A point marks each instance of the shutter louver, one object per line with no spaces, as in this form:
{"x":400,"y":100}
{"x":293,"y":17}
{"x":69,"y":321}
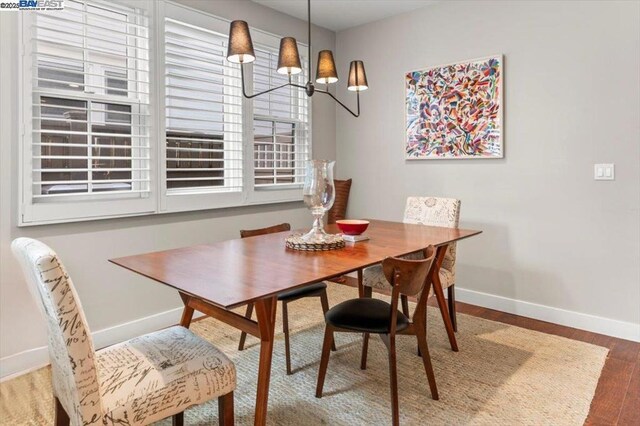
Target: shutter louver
{"x":203,"y":107}
{"x":90,"y":101}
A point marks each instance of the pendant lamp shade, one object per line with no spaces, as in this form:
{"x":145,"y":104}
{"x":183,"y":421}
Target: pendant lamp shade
{"x":326,"y":72}
{"x":357,"y":77}
{"x":288,"y":58}
{"x":240,"y":49}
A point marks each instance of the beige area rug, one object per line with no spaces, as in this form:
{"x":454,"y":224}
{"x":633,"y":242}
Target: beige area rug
{"x":503,"y":375}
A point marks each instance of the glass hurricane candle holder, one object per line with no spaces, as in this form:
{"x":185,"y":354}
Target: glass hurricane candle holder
{"x":319,"y":194}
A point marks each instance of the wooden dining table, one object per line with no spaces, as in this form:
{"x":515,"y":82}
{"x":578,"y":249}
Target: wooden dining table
{"x":218,"y":277}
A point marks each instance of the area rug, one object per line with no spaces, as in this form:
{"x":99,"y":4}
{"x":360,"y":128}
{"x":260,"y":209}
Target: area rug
{"x":503,"y":375}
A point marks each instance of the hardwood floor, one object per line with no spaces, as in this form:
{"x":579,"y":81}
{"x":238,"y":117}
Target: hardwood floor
{"x":617,"y":397}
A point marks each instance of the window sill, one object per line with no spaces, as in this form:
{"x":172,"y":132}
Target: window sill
{"x":23,"y":224}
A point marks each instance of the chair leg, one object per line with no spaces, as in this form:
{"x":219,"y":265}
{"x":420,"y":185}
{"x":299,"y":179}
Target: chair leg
{"x":178,"y":419}
{"x":61,"y":416}
{"x":368,"y":291}
{"x":451,"y":298}
{"x":365,"y":349}
{"x":405,"y":305}
{"x":426,"y":360}
{"x":325,"y":307}
{"x":225,"y":410}
{"x":393,"y":377}
{"x":285,"y":330}
{"x":424,"y":318}
{"x":243,"y":335}
{"x":442,"y":303}
{"x":324,"y":360}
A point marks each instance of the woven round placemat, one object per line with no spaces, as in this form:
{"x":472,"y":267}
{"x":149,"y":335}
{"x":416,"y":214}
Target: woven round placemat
{"x":332,"y":242}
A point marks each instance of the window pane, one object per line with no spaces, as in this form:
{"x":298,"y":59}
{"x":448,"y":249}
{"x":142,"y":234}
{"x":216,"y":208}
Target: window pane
{"x":64,"y":138}
{"x":116,"y":83}
{"x":191,"y":159}
{"x":281,"y":143}
{"x":111,"y":152}
{"x":60,"y":117}
{"x":68,"y":76}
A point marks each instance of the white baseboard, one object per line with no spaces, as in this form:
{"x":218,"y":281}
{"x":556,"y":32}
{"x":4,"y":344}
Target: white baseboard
{"x":23,"y":362}
{"x":595,"y":324}
{"x":32,"y":359}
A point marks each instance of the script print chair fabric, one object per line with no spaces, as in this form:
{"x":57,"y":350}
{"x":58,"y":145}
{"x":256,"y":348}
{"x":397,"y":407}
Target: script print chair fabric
{"x":431,"y":211}
{"x":313,"y":290}
{"x":366,"y":315}
{"x":136,"y":382}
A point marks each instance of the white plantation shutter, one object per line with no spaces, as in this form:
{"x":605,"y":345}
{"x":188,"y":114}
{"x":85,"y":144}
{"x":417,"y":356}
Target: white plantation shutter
{"x":281,"y":143}
{"x":90,"y":102}
{"x":116,"y":122}
{"x":203,"y":112}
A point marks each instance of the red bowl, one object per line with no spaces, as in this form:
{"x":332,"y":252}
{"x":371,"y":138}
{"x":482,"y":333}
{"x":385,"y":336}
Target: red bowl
{"x":352,"y":226}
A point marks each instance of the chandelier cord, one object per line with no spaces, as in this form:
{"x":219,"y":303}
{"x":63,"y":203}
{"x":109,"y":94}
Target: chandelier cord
{"x":309,"y":37}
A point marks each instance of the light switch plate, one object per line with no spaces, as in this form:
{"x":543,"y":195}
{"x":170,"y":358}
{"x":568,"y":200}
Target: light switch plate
{"x":604,"y":172}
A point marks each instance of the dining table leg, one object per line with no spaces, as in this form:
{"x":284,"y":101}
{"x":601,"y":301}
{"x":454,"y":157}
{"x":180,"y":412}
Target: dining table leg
{"x":187,"y":312}
{"x":266,"y":315}
{"x":442,"y":303}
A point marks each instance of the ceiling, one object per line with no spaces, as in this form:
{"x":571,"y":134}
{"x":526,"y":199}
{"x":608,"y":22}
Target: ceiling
{"x":338,"y":15}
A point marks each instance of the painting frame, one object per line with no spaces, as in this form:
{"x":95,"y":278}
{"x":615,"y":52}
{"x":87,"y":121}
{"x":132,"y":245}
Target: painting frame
{"x":499,"y":118}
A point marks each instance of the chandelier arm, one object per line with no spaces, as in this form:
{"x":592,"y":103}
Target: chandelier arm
{"x":260,"y":93}
{"x":326,"y":92}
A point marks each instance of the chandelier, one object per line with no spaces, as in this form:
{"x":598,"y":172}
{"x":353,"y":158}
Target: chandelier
{"x":240,"y":51}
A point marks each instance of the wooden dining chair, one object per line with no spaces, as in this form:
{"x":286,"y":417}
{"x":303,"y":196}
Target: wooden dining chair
{"x":364,"y":315}
{"x":313,"y":290}
{"x":431,"y":211}
{"x":136,"y":382}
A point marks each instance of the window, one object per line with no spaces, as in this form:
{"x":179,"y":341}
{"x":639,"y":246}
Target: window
{"x":203,"y":107}
{"x":81,"y":151}
{"x":280,"y":127}
{"x":90,"y":113}
{"x":95,"y":145}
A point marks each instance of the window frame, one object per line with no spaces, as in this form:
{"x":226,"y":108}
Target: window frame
{"x":75,"y":207}
{"x":158,"y":200}
{"x":283,"y":192}
{"x":296,"y":122}
{"x":250,"y":195}
{"x":193,"y":198}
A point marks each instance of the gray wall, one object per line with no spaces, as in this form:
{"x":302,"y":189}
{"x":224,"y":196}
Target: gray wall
{"x":111,"y":295}
{"x":552,"y":235}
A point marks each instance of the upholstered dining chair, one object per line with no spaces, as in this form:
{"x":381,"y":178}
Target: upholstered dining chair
{"x":313,"y":290}
{"x":431,"y":211}
{"x":136,"y":382}
{"x":367,"y":315}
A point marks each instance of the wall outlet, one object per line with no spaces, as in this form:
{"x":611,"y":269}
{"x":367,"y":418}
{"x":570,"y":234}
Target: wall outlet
{"x":604,"y":172}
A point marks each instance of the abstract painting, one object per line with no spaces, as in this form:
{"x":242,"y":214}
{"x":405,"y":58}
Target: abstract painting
{"x":455,"y":111}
